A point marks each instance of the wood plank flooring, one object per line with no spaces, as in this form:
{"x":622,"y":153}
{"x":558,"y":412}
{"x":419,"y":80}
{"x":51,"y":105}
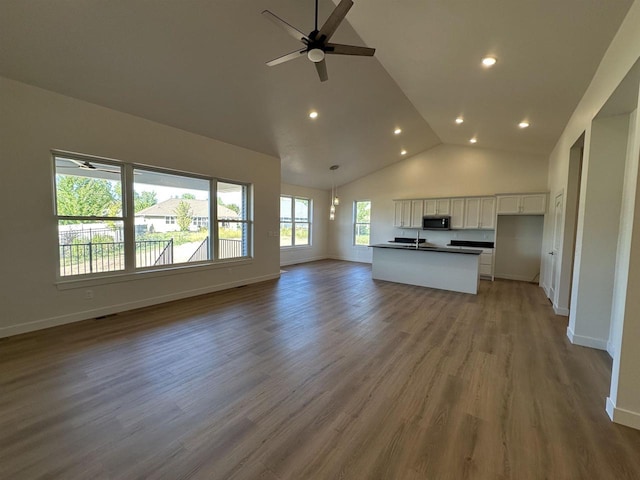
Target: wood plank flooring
{"x":323,"y":374}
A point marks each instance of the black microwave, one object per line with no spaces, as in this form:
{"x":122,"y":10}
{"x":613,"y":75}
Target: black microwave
{"x":436,"y":223}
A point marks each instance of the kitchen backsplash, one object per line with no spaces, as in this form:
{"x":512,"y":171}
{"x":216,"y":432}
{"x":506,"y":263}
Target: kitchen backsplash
{"x":444,"y":237}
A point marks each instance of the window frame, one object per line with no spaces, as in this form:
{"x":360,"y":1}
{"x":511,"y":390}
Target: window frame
{"x":127,"y":179}
{"x":356,"y":223}
{"x":293,"y":222}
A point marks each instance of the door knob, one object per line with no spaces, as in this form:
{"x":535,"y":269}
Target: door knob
{"x":550,"y":253}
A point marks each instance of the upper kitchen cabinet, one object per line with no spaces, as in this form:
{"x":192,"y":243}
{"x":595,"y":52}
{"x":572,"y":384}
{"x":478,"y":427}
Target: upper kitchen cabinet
{"x":408,"y":213}
{"x":457,"y":213}
{"x":480,"y":213}
{"x":437,"y":206}
{"x":522,"y":204}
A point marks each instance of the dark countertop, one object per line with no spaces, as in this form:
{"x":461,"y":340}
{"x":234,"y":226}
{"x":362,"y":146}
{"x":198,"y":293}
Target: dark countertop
{"x":396,"y":246}
{"x":471,"y":243}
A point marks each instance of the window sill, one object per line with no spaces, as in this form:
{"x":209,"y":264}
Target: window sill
{"x":118,"y":277}
{"x":296,"y":247}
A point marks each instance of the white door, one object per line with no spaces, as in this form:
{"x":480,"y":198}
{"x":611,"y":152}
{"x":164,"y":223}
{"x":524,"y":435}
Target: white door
{"x":555,"y":249}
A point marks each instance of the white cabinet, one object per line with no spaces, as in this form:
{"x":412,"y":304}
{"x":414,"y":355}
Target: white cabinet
{"x":408,"y":213}
{"x":437,"y":206}
{"x":457,"y":213}
{"x":522,"y":204}
{"x":416,"y":213}
{"x":486,"y":262}
{"x":480,"y":213}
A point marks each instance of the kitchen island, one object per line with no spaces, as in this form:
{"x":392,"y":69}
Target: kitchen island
{"x":444,"y":268}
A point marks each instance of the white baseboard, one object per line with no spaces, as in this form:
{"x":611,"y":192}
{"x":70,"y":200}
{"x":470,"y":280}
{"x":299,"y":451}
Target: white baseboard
{"x":561,"y":311}
{"x":622,"y":416}
{"x":546,"y":290}
{"x":586,"y":341}
{"x":123,"y":307}
{"x":348,"y":259}
{"x":506,"y":276}
{"x":302,"y":260}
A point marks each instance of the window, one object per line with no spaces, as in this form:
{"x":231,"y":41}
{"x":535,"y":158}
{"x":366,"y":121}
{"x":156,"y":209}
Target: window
{"x":233,"y":223}
{"x":295,"y":221}
{"x":361,"y":222}
{"x":166,"y":207}
{"x":170,"y":219}
{"x":89,"y":209}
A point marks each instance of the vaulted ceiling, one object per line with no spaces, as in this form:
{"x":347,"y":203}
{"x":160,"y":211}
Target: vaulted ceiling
{"x":199,"y":65}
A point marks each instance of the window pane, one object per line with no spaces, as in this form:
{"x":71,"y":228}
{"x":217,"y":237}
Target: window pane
{"x":88,"y":189}
{"x":363,"y":232}
{"x":286,"y":235}
{"x":171,"y":217}
{"x":302,"y":234}
{"x":363,"y":212}
{"x":232,"y":217}
{"x":232,"y":241}
{"x":90,"y":247}
{"x":231,"y":201}
{"x":285,"y":209}
{"x":302,"y":210}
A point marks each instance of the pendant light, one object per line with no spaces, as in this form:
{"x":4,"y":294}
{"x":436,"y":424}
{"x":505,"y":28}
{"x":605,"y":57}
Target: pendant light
{"x":335,"y":201}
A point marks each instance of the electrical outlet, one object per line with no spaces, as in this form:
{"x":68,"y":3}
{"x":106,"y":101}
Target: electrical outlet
{"x":88,"y":294}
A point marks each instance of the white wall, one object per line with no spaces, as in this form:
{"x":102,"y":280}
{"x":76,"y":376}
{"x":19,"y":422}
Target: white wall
{"x":446,"y":170}
{"x":34,"y":121}
{"x":598,"y":220}
{"x":518,"y":247}
{"x":319,"y":226}
{"x":623,"y":404}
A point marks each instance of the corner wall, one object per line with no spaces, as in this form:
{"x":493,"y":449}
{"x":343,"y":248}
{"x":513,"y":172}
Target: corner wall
{"x":319,"y":226}
{"x":32,"y":122}
{"x":623,"y":52}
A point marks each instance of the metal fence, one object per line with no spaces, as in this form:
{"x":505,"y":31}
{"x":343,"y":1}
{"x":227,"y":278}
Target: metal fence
{"x":230,"y":248}
{"x":201,"y":253}
{"x":96,"y":257}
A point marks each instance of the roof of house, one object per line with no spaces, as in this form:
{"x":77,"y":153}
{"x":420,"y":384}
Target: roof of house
{"x":199,"y":208}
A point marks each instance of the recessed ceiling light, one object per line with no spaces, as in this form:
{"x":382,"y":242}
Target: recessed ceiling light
{"x":313,"y":114}
{"x":459,"y":120}
{"x":473,"y":140}
{"x":489,"y":61}
{"x":523,"y":124}
{"x":397,"y":131}
{"x":403,"y":152}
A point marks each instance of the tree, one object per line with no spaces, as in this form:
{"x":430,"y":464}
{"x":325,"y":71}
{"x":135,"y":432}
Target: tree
{"x":144,"y":200}
{"x":183,"y":215}
{"x":188,"y":196}
{"x":87,"y":197}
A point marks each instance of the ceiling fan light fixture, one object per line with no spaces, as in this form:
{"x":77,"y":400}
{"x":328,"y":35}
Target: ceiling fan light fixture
{"x":523,"y":124}
{"x":473,"y":140}
{"x":403,"y":152}
{"x":313,"y":114}
{"x":397,"y":131}
{"x":459,"y":120}
{"x":315,"y":55}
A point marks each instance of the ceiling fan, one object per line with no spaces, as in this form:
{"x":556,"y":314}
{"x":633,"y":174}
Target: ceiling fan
{"x":317,"y":42}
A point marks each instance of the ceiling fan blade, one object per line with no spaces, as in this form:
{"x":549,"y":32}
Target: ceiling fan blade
{"x":290,"y":29}
{"x":339,"y":49}
{"x":334,"y":20}
{"x":286,"y":58}
{"x":321,"y":67}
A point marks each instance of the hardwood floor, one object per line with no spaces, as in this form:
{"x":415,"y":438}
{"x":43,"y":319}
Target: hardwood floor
{"x":323,"y":374}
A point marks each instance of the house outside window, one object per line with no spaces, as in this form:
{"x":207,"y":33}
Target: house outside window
{"x":362,"y":222}
{"x":168,"y":220}
{"x":295,"y":221}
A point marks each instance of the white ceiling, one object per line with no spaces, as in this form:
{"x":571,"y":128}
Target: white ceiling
{"x":199,"y":65}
